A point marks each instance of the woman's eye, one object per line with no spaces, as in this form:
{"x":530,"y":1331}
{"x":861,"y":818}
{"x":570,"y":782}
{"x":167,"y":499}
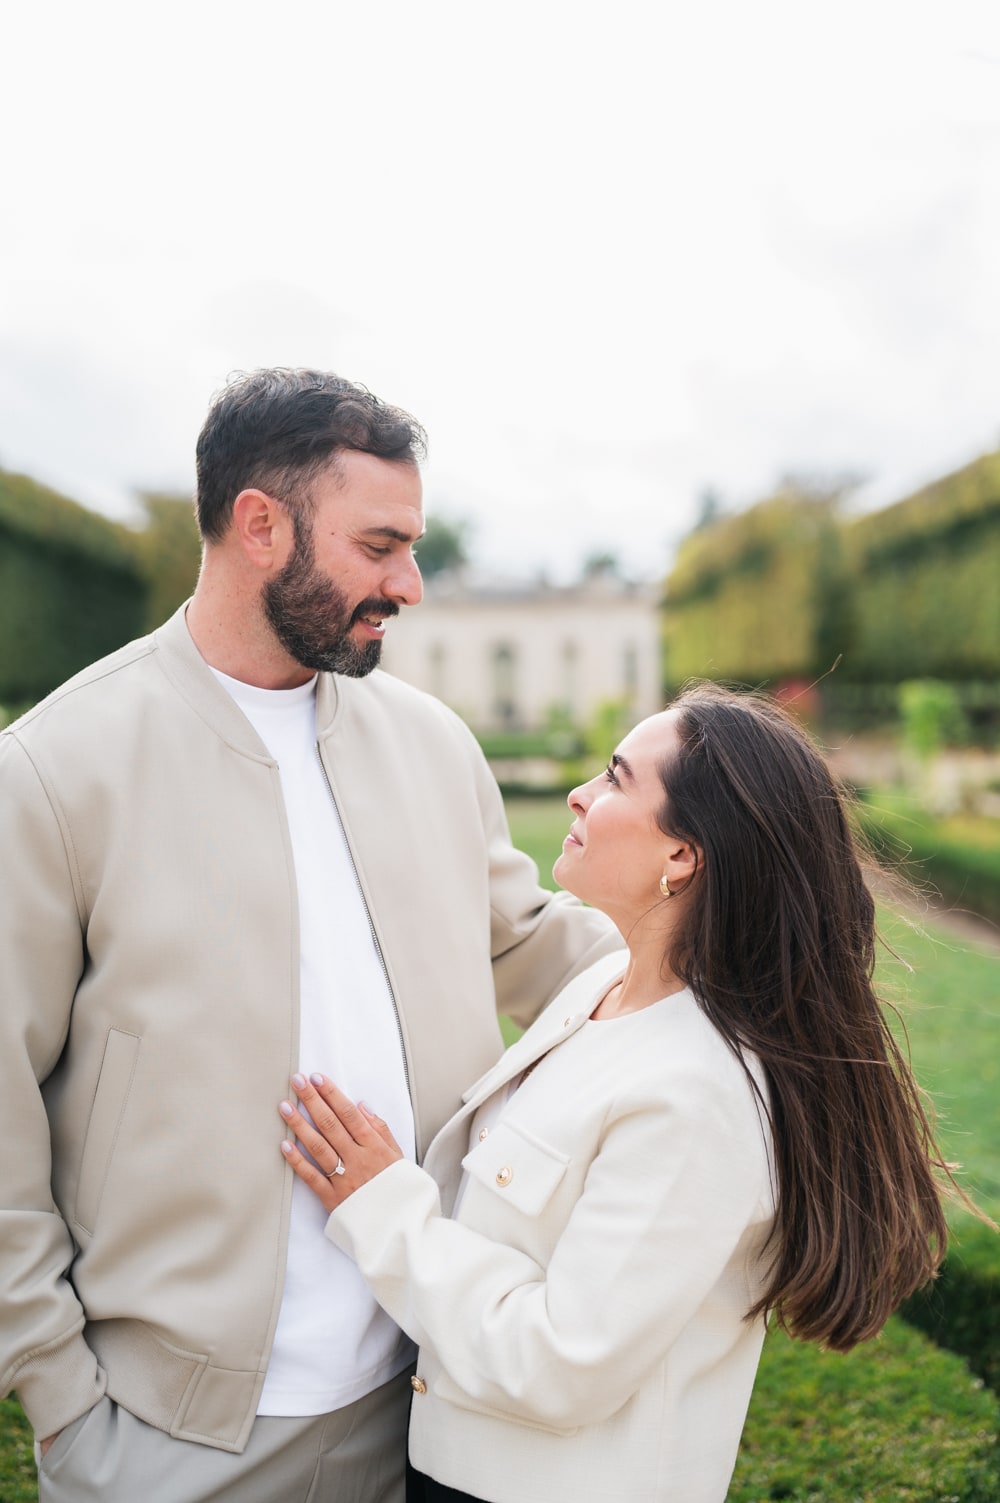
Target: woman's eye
{"x":609,"y":773}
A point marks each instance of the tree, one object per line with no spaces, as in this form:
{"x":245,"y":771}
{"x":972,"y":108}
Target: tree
{"x":442,"y":549}
{"x":710,"y":508}
{"x":602,"y":563}
{"x":169,"y":552}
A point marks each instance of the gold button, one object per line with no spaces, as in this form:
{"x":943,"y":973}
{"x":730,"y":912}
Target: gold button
{"x":484,"y":1133}
{"x":504,"y":1176}
{"x":418,"y":1385}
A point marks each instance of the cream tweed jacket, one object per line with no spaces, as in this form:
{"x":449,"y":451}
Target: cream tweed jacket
{"x":582,"y":1319}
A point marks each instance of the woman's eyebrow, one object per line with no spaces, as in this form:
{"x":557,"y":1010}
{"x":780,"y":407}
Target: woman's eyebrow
{"x":619,"y":762}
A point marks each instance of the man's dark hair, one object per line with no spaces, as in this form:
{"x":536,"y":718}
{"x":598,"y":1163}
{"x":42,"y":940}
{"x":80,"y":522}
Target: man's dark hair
{"x":276,"y":430}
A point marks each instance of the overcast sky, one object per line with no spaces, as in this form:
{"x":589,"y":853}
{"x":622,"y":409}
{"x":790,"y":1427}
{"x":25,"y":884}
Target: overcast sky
{"x":610,"y":255}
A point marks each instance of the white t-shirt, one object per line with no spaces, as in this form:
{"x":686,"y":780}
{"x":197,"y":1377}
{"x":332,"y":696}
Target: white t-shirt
{"x":333,"y":1342}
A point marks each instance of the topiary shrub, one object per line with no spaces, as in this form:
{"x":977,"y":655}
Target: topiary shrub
{"x":961,"y":1309}
{"x":895,"y":1421}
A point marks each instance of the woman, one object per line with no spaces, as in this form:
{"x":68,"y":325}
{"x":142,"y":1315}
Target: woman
{"x":722,"y":1129}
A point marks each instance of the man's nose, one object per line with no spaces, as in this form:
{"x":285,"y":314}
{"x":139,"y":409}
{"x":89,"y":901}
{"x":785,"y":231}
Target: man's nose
{"x":404,"y":583}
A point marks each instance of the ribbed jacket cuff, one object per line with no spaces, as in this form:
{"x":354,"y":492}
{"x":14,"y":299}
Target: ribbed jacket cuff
{"x":58,"y":1383}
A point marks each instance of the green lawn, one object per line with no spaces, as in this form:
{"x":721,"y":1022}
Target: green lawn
{"x":539,"y":826}
{"x":950,"y":1006}
{"x":17,"y":1461}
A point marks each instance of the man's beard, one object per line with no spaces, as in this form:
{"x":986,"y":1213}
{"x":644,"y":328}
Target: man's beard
{"x":311,"y":617}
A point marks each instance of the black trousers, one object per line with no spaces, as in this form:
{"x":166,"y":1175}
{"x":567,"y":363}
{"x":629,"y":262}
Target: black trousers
{"x":423,"y":1489}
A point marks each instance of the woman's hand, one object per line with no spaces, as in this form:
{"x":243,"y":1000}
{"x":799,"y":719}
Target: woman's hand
{"x":349,"y":1143}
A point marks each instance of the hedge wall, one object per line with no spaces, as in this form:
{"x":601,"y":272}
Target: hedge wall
{"x":71,"y":588}
{"x":944,"y":854}
{"x":750,"y":598}
{"x":961,"y":1309}
{"x":926,"y":574}
{"x":169,"y":554}
{"x":782,"y":590}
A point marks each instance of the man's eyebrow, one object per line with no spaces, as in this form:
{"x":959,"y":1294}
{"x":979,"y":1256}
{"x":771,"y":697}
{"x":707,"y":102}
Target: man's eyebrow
{"x":396,"y":533}
{"x":620,"y":762}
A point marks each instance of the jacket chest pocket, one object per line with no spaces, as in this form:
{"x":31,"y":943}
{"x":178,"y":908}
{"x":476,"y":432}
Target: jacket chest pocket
{"x":518,"y":1168}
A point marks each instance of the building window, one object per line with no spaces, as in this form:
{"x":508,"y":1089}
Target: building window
{"x":630,"y":672}
{"x":504,"y":667}
{"x":437,"y":663}
{"x":570,"y":687}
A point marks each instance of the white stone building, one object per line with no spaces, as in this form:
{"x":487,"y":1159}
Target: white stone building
{"x":517,"y":657}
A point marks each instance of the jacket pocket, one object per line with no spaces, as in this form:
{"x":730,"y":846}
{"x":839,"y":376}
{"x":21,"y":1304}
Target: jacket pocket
{"x":516,"y":1165}
{"x":110,"y":1099}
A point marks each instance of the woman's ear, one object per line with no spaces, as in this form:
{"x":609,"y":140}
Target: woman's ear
{"x":683,"y":861}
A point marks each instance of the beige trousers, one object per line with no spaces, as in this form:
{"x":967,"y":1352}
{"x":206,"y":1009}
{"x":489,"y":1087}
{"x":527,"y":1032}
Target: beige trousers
{"x":354,"y":1455}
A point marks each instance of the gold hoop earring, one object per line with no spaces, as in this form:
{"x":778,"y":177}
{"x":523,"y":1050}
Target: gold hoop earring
{"x":665,"y":887}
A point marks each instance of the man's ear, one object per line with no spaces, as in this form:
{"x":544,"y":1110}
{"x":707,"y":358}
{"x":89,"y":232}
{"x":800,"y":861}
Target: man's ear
{"x":264,"y":529}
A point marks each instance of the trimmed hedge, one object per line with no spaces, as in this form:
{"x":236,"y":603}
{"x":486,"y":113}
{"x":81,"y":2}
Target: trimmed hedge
{"x":896,"y":1419}
{"x":963,"y":864}
{"x":514,"y":745}
{"x":70,"y":589}
{"x":961,"y":1309}
{"x":953,"y":507}
{"x":750,"y":597}
{"x":779,"y":591}
{"x":925,"y":582}
{"x":74,"y":586}
{"x":168,"y":550}
{"x":55,"y":524}
{"x":868,"y":706}
{"x":930,"y":614}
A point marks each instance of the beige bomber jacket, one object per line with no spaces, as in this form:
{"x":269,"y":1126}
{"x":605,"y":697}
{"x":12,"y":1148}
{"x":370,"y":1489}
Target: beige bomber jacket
{"x":149,"y":1016}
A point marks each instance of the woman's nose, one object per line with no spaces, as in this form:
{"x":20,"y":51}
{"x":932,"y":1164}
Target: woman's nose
{"x":580,"y":798}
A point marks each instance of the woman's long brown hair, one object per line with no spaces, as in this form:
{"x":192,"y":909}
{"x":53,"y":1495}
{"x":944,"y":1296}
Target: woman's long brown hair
{"x":778,"y":945}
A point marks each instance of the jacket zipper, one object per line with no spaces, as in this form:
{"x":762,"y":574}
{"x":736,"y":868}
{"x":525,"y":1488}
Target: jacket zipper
{"x":371,"y":926}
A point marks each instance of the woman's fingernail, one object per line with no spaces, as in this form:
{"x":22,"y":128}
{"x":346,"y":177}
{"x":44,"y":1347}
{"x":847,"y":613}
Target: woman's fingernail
{"x":298,"y":1081}
{"x":286,"y":1148}
{"x":317,"y":1080}
{"x":285,"y":1109}
{"x":366,"y":1109}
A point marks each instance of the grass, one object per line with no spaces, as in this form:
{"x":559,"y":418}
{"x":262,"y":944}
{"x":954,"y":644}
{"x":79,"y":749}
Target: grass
{"x":17,"y":1459}
{"x":950,"y":1008}
{"x":539,"y":826}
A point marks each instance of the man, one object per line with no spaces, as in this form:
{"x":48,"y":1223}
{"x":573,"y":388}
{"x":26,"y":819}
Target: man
{"x":233,"y":852}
